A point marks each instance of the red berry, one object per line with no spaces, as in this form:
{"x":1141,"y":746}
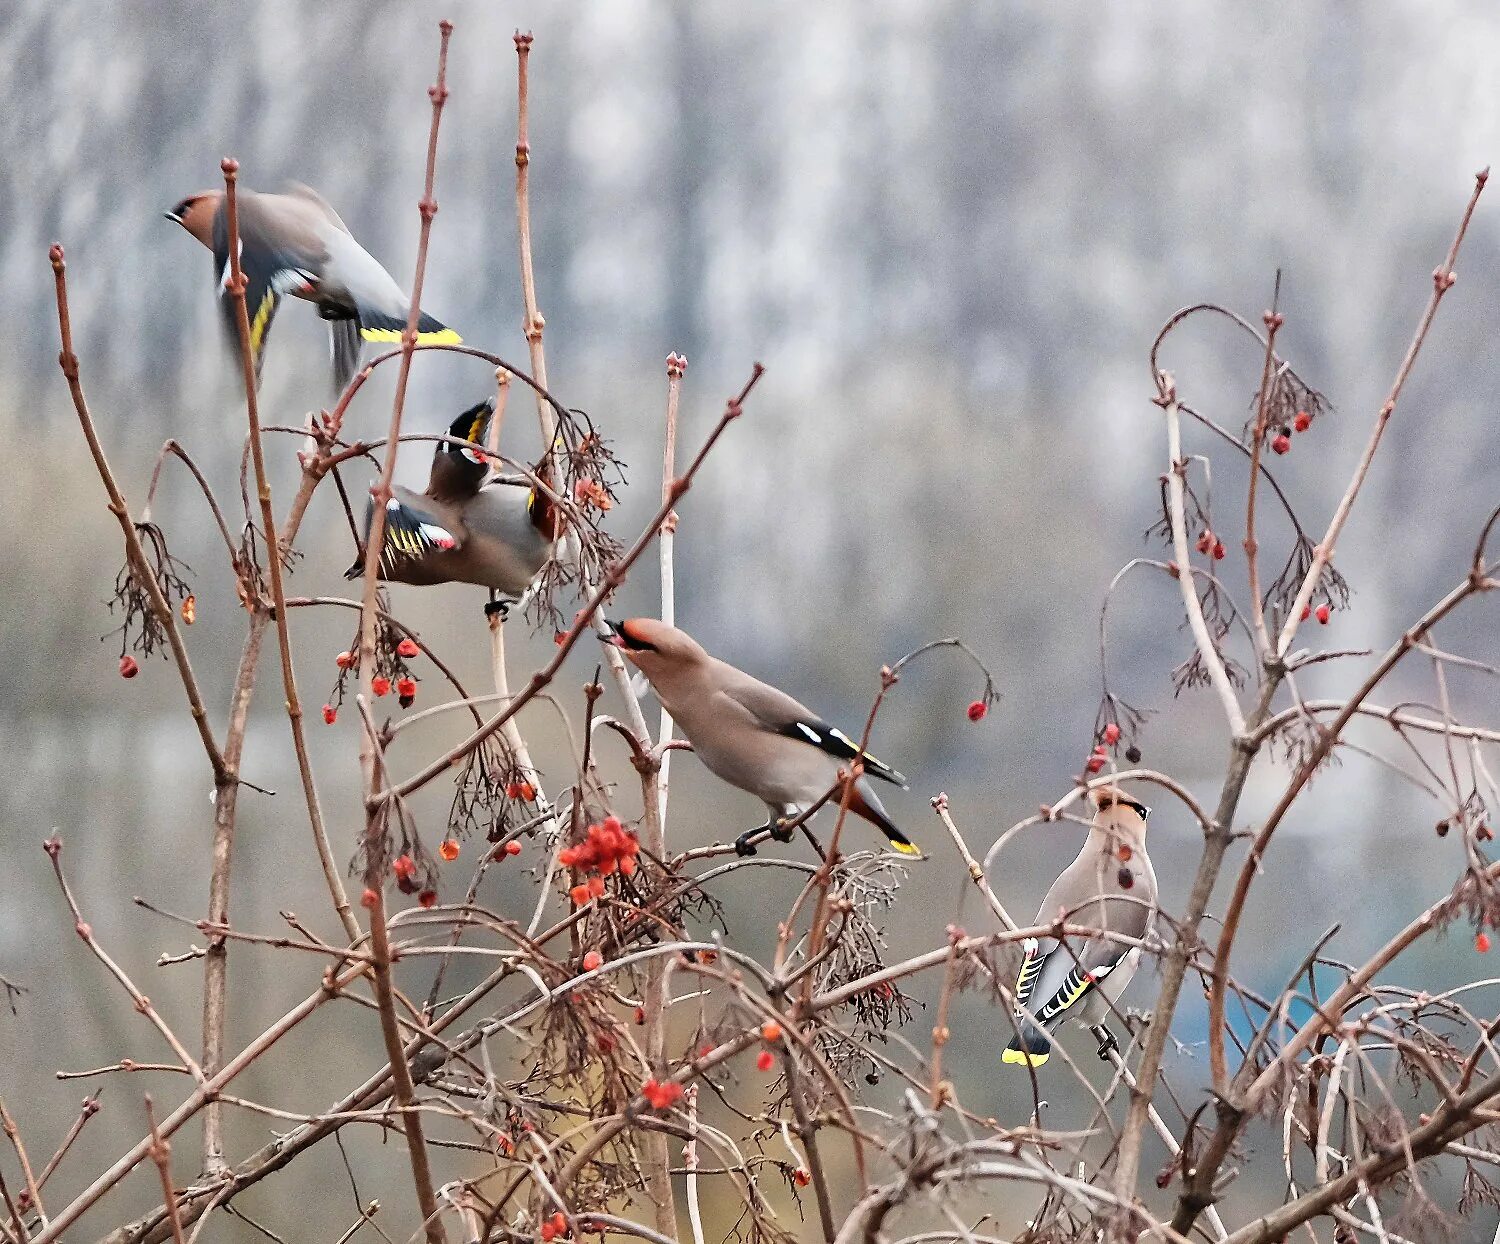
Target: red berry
{"x":801,"y":1177}
{"x":128,"y":666}
{"x":579,"y":894}
{"x":1482,"y":943}
{"x":512,"y":848}
{"x":1282,"y":443}
{"x":404,"y":866}
{"x":344,"y":660}
{"x":1095,"y":764}
{"x":1323,"y":614}
{"x":640,"y":1015}
{"x":627,"y":866}
{"x":560,"y":1221}
{"x":977,"y":710}
{"x":1205,"y":541}
{"x":596,"y":887}
{"x":1218,"y":550}
{"x":1306,"y":612}
{"x":1111,"y":734}
{"x":527,"y":792}
{"x":406,"y":688}
{"x":330,"y":714}
{"x":549,"y":1233}
{"x":1303,"y":421}
{"x":407,"y":648}
{"x":368,"y":899}
{"x":592,"y":960}
{"x":428,"y":898}
{"x":766,"y":1061}
{"x":381,"y":685}
{"x":612,"y":825}
{"x":448,"y":849}
{"x":1126,"y":878}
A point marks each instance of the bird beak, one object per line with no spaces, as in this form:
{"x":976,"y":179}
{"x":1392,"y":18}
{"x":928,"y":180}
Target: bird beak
{"x":614,"y":638}
{"x":173,"y":216}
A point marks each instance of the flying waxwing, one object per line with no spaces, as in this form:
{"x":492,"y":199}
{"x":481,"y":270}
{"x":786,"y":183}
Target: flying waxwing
{"x":470,"y":526}
{"x":294,"y":243}
{"x":1111,"y":887}
{"x":750,"y":734}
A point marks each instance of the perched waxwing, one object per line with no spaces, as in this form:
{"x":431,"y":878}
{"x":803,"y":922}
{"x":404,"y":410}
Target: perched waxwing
{"x":752,"y":735}
{"x":1110,"y":887}
{"x":471,"y":525}
{"x":294,"y":243}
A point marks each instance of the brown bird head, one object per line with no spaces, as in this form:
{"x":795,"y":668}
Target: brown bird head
{"x":654,"y":647}
{"x":196,"y":214}
{"x":1119,"y":813}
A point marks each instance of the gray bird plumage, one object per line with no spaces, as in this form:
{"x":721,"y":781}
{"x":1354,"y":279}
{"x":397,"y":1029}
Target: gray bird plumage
{"x":1111,"y":887}
{"x":470,"y":526}
{"x":295,"y":243}
{"x":750,"y":734}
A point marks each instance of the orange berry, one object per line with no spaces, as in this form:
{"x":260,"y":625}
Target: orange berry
{"x":407,"y":648}
{"x":330,"y":714}
{"x":770,"y":1031}
{"x":592,"y":960}
{"x":527,"y":791}
{"x":449,"y":849}
{"x":129,"y":667}
{"x":406,"y":688}
{"x":344,"y":660}
{"x":596,"y":886}
{"x":512,"y":848}
{"x":381,"y":685}
{"x":513,"y":790}
{"x":627,"y":866}
{"x":579,"y":894}
{"x":190,"y":610}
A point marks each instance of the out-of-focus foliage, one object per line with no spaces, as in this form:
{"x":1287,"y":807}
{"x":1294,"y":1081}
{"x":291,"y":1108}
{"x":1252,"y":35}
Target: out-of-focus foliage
{"x":949,"y":230}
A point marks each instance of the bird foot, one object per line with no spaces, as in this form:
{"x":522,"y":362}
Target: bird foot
{"x":743,"y":846}
{"x":497,"y":608}
{"x":781,"y":829}
{"x":1107,"y":1043}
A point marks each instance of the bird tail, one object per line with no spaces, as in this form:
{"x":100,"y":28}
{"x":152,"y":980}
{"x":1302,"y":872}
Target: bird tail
{"x":863,"y":803}
{"x":378,"y":326}
{"x":1031,"y":1046}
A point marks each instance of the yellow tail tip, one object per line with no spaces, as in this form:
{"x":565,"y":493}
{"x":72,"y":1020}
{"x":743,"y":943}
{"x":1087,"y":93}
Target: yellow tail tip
{"x":1021,"y":1058}
{"x":906,"y":848}
{"x":443,"y":337}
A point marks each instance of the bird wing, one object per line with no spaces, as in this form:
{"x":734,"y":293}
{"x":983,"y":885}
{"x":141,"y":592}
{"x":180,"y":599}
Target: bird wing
{"x":276,"y":257}
{"x":777,"y":712}
{"x":345,"y":342}
{"x":411,"y":532}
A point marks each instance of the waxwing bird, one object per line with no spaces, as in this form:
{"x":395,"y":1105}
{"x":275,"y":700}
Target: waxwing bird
{"x":470,"y":526}
{"x":1110,"y":887}
{"x":294,"y":243}
{"x":750,"y":734}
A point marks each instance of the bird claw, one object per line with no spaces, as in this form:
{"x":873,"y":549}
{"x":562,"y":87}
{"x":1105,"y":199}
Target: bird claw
{"x":497,"y":608}
{"x":743,"y":846}
{"x":1107,"y":1043}
{"x":781,"y":830}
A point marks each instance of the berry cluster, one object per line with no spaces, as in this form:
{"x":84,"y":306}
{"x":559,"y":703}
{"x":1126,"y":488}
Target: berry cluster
{"x":1211,"y":544}
{"x":555,"y":1227}
{"x":392,"y":651}
{"x":608,"y":848}
{"x":662,"y":1094}
{"x":1282,"y":442}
